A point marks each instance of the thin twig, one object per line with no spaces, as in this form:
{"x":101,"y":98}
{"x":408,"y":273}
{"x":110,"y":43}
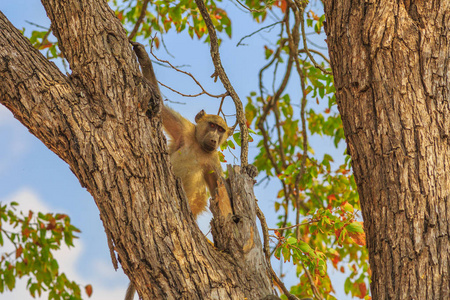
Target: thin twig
{"x":293,"y":226}
{"x":301,"y":8}
{"x":139,"y":20}
{"x":253,"y":33}
{"x":44,"y":38}
{"x":313,"y":285}
{"x":265,"y":231}
{"x":37,"y":25}
{"x":188,"y":74}
{"x":314,"y":44}
{"x":316,"y":52}
{"x":221,"y":103}
{"x":275,"y":57}
{"x":195,"y":95}
{"x":280,"y":138}
{"x":304,"y":133}
{"x":266,"y":249}
{"x":282,"y":286}
{"x":282,"y":87}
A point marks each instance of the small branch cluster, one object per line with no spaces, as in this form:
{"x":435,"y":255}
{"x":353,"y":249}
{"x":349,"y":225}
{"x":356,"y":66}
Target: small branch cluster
{"x":203,"y":92}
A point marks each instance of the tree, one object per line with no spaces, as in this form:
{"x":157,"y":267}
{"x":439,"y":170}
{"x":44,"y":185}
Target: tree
{"x":106,"y":127}
{"x":390,"y":62}
{"x":96,"y":133}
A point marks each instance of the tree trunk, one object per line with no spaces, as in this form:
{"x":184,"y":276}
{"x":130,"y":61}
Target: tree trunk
{"x":391,"y":67}
{"x":104,"y":121}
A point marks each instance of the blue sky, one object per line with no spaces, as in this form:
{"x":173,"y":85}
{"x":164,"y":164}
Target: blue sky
{"x":36,"y":178}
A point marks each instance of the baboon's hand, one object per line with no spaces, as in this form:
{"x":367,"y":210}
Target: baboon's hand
{"x":139,"y":49}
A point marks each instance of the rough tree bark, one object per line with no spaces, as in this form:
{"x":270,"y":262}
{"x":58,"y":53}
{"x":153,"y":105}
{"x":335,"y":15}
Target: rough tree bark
{"x":390,"y":62}
{"x":103,"y":120}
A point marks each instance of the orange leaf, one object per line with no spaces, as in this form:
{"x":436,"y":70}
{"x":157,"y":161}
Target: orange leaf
{"x":335,"y":260}
{"x":314,"y":16}
{"x":283,"y":6}
{"x":358,"y":237}
{"x":45,"y":45}
{"x":88,"y":289}
{"x":156,"y":40}
{"x":19,"y":251}
{"x":26,"y":232}
{"x":120,"y":15}
{"x":51,"y":224}
{"x":361,"y":289}
{"x":60,"y":216}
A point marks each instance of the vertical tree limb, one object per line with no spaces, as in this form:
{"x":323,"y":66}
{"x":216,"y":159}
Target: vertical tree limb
{"x":220,"y":72}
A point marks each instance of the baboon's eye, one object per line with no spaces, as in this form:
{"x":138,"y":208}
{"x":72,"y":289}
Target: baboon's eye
{"x":212,"y":125}
{"x":220,"y":129}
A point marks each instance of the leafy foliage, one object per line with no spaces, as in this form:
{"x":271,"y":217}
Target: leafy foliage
{"x":35,"y":237}
{"x":166,"y":15}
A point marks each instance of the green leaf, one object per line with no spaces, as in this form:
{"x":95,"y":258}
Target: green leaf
{"x":304,"y":247}
{"x":291,"y":240}
{"x":355,"y":227}
{"x":237,"y":138}
{"x":286,"y":254}
{"x":231,"y":144}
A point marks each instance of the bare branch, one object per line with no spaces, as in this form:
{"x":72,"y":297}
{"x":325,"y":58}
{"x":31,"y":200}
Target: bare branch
{"x":191,"y":96}
{"x":215,"y":55}
{"x":44,"y":38}
{"x":253,"y":33}
{"x":293,"y":226}
{"x":139,"y":20}
{"x":265,"y":231}
{"x":37,"y":25}
{"x":221,"y":103}
{"x":188,"y":74}
{"x":316,"y":52}
{"x":313,"y":285}
{"x":282,"y":286}
{"x":301,"y":8}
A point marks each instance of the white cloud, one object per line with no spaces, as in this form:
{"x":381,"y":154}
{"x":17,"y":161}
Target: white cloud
{"x":68,"y":259}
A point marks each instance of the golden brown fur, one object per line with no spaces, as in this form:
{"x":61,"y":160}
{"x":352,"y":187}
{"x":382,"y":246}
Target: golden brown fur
{"x":193,"y":152}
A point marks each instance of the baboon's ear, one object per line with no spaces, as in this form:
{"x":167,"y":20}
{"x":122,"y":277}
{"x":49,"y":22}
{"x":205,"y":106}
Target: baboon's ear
{"x":199,"y":116}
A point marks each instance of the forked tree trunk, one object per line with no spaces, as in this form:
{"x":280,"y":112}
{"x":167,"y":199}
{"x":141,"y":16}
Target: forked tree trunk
{"x":391,"y":69}
{"x":103,"y":120}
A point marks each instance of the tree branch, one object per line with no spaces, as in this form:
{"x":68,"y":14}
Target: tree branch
{"x":215,"y":55}
{"x":188,"y":74}
{"x":139,"y":20}
{"x":253,"y":33}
